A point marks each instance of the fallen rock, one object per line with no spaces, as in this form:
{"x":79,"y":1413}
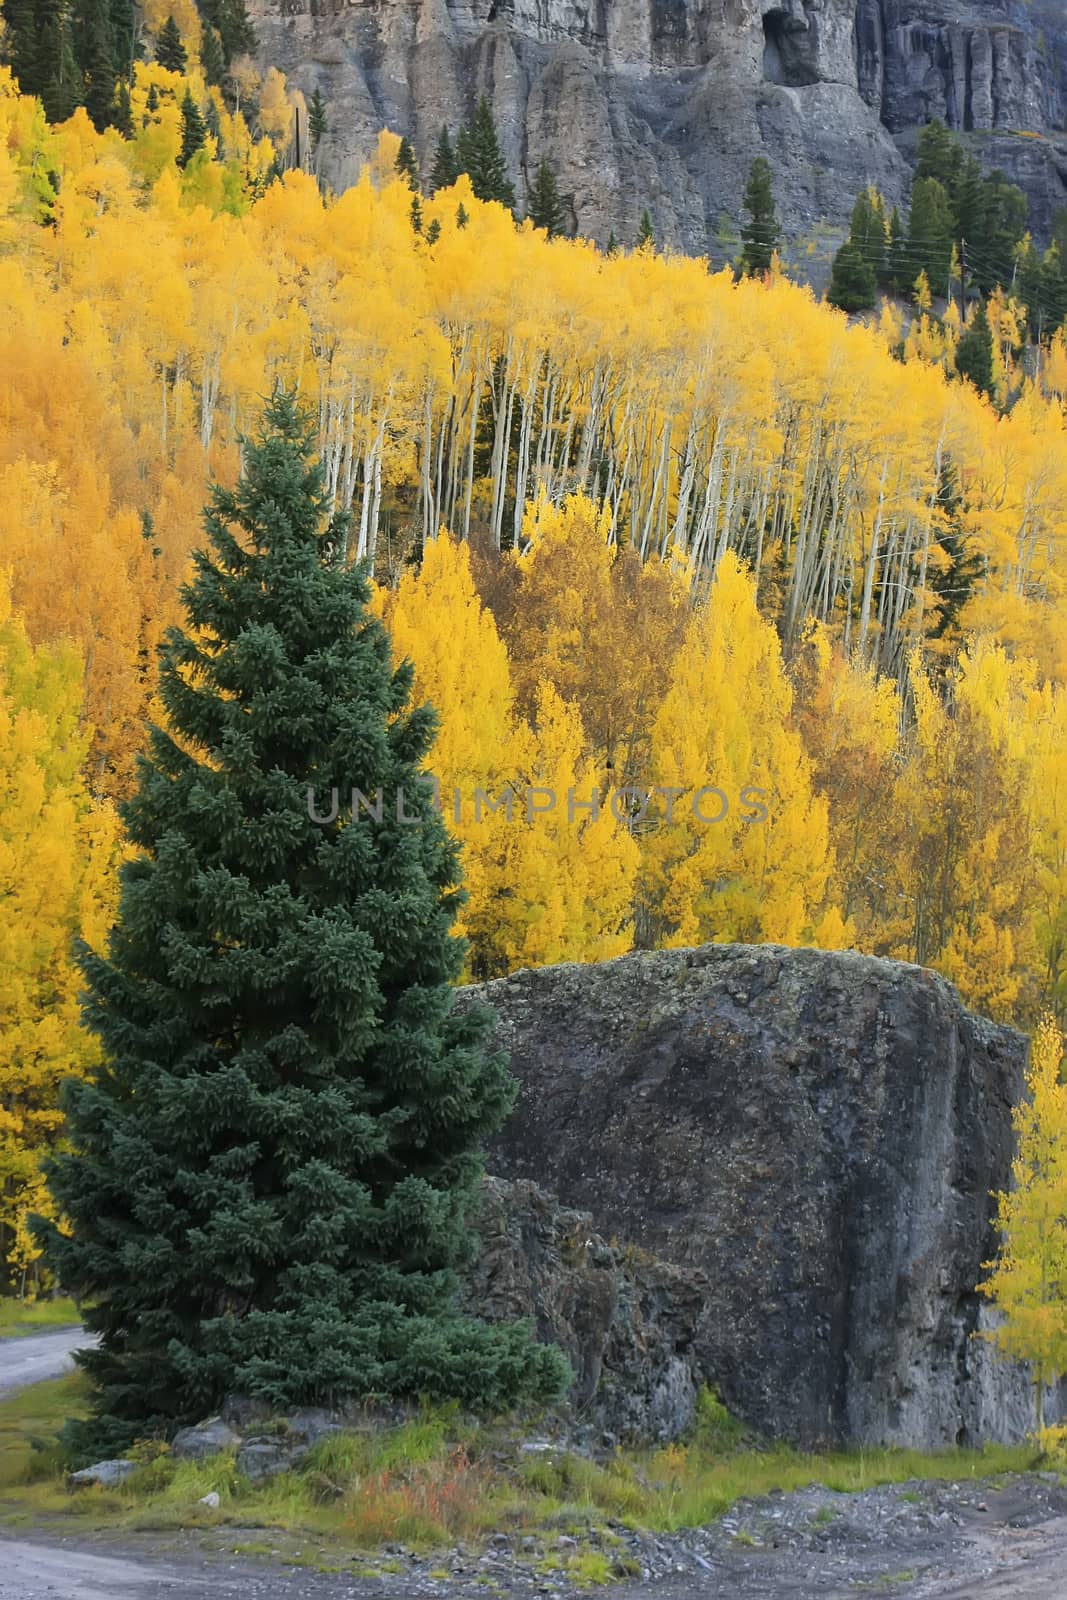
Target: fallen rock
{"x":211,"y":1500}
{"x":105,"y":1473}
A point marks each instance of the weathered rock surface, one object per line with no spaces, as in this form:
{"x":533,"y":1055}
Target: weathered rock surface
{"x":627,"y":1321}
{"x":817,"y":1136}
{"x":664,"y":103}
{"x":108,"y":1474}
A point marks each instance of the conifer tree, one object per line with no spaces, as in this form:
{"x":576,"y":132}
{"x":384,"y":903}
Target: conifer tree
{"x":194,"y":130}
{"x":479,"y":155}
{"x":212,"y":58}
{"x":461,"y":215}
{"x":646,"y":236}
{"x":545,"y":209}
{"x":974,"y":353}
{"x":407,"y":165}
{"x":274,"y":1162}
{"x":170,"y":51}
{"x":433,"y":232}
{"x":612,"y":246}
{"x":853,"y":286}
{"x":445,"y":169}
{"x":760,"y":231}
{"x":416,"y":213}
{"x":317,"y":122}
{"x":930,"y":233}
{"x":122,"y":117}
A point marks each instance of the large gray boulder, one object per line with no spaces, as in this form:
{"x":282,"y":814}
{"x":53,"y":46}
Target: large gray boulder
{"x":816,"y":1136}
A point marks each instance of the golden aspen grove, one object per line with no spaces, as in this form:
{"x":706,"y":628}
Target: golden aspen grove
{"x":642,"y":528}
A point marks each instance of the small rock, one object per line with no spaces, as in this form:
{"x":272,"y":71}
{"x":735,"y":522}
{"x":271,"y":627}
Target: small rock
{"x":266,"y":1458}
{"x":210,"y":1500}
{"x":106,"y":1473}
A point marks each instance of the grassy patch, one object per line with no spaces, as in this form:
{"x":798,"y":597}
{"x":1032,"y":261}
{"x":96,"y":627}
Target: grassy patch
{"x":20,"y":1317}
{"x":435,"y":1481}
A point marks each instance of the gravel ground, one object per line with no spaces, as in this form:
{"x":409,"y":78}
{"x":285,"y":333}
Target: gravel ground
{"x":976,"y":1541}
{"x":996,"y":1540}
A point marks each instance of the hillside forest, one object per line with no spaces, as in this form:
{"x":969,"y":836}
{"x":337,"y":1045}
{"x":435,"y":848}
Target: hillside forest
{"x":641,"y":527}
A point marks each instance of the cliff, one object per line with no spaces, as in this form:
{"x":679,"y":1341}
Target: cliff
{"x":812,"y":1139}
{"x":664,"y":103}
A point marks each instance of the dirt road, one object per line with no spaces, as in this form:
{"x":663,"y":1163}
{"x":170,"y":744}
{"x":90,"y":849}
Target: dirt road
{"x":920,"y":1541}
{"x":37,"y":1357}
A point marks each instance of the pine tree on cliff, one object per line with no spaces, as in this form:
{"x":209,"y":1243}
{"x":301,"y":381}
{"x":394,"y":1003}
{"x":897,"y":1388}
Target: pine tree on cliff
{"x":545,"y":208}
{"x":760,"y":231}
{"x":269,"y":1174}
{"x":170,"y":51}
{"x":974,"y":353}
{"x":407,"y":165}
{"x":317,"y":120}
{"x":479,"y":155}
{"x":445,"y":169}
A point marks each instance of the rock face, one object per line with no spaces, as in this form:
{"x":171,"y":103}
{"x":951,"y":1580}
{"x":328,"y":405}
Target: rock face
{"x":816,"y":1137}
{"x":664,"y":103}
{"x":627,"y":1321}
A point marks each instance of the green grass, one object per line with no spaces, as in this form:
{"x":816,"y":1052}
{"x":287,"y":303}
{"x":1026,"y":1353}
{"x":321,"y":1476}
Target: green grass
{"x":435,"y":1481}
{"x":20,"y":1317}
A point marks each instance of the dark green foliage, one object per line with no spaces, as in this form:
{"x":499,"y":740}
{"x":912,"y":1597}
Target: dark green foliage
{"x":122,"y":117}
{"x":760,"y":230}
{"x":194,"y":130}
{"x":272,"y":1168}
{"x":930,"y":234}
{"x":170,"y":52}
{"x":853,"y":285}
{"x":954,"y":584}
{"x":212,"y":58}
{"x":317,"y":123}
{"x":974,"y":353}
{"x":646,"y":236}
{"x":1042,"y":287}
{"x":898,"y":276}
{"x":461,"y":215}
{"x":152,"y":99}
{"x":612,"y":246}
{"x":231,"y":22}
{"x":985,"y":216}
{"x":479,"y":155}
{"x":545,"y":208}
{"x":445,"y":169}
{"x":416,"y":213}
{"x":71,"y":53}
{"x":433,"y":232}
{"x":407,"y":165}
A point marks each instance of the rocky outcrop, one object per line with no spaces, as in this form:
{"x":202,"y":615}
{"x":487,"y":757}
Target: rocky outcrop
{"x":816,"y":1136}
{"x":664,"y":103}
{"x":627,"y":1321}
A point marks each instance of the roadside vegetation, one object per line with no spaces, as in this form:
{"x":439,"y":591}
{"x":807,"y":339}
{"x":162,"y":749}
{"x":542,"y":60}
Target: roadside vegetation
{"x":20,"y":1317}
{"x":439,"y":1480}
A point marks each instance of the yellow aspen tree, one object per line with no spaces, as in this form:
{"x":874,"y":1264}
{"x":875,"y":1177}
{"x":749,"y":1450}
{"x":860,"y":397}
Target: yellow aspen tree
{"x":562,"y":886}
{"x":57,"y":853}
{"x":1028,"y":1280}
{"x":438,"y":622}
{"x":746,"y":854}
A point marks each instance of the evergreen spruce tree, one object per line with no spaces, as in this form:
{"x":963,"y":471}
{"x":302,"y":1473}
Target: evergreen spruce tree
{"x":151,"y":100}
{"x":646,"y":236}
{"x":760,"y":231}
{"x":97,"y":63}
{"x":868,"y":232}
{"x":445,"y":170}
{"x":407,"y":164}
{"x":212,"y":58}
{"x":853,"y":285}
{"x":269,"y":1175}
{"x":974,"y":353}
{"x":317,"y":123}
{"x":194,"y":130}
{"x":612,"y":246}
{"x":930,"y":230}
{"x":479,"y":155}
{"x":897,"y":276}
{"x":461,"y":215}
{"x":122,"y":118}
{"x":416,"y":213}
{"x":545,"y":208}
{"x":170,"y":52}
